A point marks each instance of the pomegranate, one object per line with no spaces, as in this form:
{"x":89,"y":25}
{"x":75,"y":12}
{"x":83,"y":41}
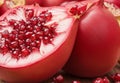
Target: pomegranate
{"x":35,"y":42}
{"x":96,"y":49}
{"x":8,"y":4}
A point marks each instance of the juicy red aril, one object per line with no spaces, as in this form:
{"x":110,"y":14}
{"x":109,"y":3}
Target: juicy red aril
{"x":58,"y":79}
{"x":76,"y":10}
{"x":27,"y":35}
{"x":29,"y":13}
{"x":101,"y":80}
{"x":116,"y":77}
{"x":106,"y":80}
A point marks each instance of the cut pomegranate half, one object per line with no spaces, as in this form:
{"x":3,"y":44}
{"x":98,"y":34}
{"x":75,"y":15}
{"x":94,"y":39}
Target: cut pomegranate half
{"x":35,"y":42}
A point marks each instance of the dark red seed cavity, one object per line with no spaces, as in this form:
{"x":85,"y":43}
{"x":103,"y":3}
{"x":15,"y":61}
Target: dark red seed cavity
{"x":27,"y":36}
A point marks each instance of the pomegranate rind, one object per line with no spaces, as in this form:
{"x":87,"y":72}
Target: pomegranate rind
{"x":93,"y":45}
{"x":46,"y":65}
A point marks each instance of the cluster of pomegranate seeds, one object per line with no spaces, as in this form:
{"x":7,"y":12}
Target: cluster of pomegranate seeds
{"x":101,"y":80}
{"x":76,"y":10}
{"x":27,"y":36}
{"x":116,"y":77}
{"x":58,"y":79}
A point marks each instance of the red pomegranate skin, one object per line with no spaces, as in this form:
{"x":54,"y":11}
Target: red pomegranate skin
{"x":96,"y":49}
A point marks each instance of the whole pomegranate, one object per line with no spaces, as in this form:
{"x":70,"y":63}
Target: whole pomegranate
{"x":35,"y":42}
{"x":96,"y":49}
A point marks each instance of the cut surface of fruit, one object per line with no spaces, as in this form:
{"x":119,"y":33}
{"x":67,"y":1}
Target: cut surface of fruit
{"x":35,"y":42}
{"x":30,"y":34}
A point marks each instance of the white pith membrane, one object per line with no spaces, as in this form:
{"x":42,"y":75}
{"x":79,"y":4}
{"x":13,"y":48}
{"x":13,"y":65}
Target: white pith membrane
{"x":15,"y":3}
{"x":114,"y":10}
{"x":64,"y":27}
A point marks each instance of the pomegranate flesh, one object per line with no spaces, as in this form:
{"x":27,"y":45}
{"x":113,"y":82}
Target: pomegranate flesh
{"x":35,"y":42}
{"x":96,"y":49}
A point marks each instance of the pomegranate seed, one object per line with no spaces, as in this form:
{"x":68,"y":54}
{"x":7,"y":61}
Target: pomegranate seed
{"x":98,"y":80}
{"x":15,"y":54}
{"x":4,"y":49}
{"x":14,"y":44}
{"x":74,"y":10}
{"x":5,"y":34}
{"x":33,"y":37}
{"x":29,"y":13}
{"x":34,"y":20}
{"x":28,"y":41}
{"x":78,"y":10}
{"x":101,"y":80}
{"x":29,"y":27}
{"x":116,"y":77}
{"x":76,"y":81}
{"x":28,"y":34}
{"x":25,"y":52}
{"x":58,"y":79}
{"x":38,"y":43}
{"x":106,"y":80}
{"x":82,"y":9}
{"x":33,"y":44}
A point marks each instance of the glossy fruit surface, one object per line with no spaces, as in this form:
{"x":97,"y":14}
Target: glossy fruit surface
{"x":97,"y":44}
{"x":35,"y":42}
